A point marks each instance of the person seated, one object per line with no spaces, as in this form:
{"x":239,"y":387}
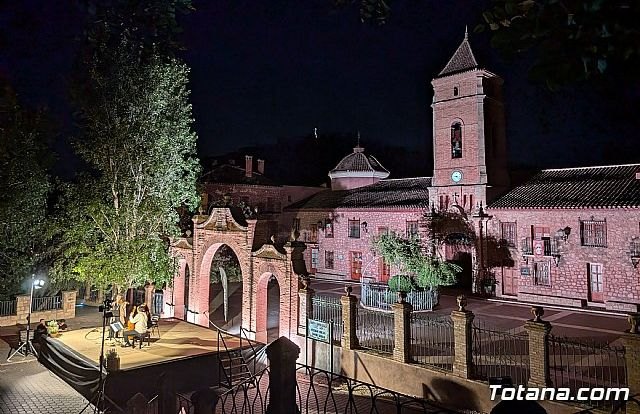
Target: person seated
{"x":62,"y":325}
{"x":40,"y":331}
{"x":139,"y":320}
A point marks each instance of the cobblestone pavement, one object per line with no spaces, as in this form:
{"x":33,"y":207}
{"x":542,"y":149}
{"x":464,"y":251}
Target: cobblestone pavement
{"x":28,"y":387}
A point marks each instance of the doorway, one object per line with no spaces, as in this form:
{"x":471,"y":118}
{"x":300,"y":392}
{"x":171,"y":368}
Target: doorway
{"x":595,"y":282}
{"x":273,"y":309}
{"x":510,"y":281}
{"x":187,"y":277}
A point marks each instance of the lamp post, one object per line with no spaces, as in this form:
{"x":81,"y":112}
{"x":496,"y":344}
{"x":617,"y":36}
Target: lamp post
{"x":27,"y":346}
{"x":483,"y":218}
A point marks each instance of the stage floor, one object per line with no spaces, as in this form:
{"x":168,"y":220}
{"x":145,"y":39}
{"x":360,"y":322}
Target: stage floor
{"x":178,"y":340}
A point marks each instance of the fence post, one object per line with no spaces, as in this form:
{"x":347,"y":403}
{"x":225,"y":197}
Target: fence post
{"x":306,"y":306}
{"x":402,"y":329}
{"x":538,"y":331}
{"x":463,"y":339}
{"x":349,"y":313}
{"x":282,"y":355}
{"x":631,"y":340}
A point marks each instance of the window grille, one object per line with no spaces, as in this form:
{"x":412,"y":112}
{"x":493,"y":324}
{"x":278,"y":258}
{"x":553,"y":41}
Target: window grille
{"x":593,"y":233}
{"x":328,"y":259}
{"x":542,"y":273}
{"x":354,"y":229}
{"x":508,"y":233}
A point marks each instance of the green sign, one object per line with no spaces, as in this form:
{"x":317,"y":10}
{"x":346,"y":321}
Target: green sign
{"x":318,"y":330}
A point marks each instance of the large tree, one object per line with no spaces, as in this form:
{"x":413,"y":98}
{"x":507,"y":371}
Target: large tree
{"x":140,"y":148}
{"x":24,"y":188}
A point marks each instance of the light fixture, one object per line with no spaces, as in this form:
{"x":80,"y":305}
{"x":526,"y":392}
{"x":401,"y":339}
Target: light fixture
{"x":556,"y":259}
{"x":635,"y":260}
{"x":27,"y":346}
{"x":563,"y":233}
{"x":364,"y":226}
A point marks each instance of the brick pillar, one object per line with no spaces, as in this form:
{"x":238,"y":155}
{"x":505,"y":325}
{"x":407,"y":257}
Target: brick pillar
{"x":282,"y":355}
{"x":463,"y":339}
{"x":22,"y":308}
{"x":305,"y":306}
{"x":538,"y":331}
{"x":149,"y":291}
{"x":349,"y":313}
{"x":631,"y":340}
{"x":69,"y":303}
{"x":402,"y":329}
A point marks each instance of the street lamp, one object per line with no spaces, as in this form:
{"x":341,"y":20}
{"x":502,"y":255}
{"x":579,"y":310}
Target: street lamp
{"x":27,"y":346}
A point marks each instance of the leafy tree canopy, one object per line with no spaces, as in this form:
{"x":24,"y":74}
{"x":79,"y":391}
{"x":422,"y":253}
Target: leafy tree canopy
{"x":24,"y":188}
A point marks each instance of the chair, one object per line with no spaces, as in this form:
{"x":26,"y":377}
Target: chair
{"x":142,"y":337}
{"x":154,"y":324}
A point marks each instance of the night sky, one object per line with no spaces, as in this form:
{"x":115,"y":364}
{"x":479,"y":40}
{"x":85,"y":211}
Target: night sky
{"x":263,"y":71}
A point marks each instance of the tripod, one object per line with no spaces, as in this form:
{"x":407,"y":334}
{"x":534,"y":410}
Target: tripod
{"x":26,"y":347}
{"x":98,"y":399}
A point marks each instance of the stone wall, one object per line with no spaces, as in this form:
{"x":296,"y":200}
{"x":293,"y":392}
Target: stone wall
{"x":67,"y":311}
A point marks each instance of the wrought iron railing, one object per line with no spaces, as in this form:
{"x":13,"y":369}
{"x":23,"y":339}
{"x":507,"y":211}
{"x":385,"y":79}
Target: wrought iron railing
{"x":8,"y":307}
{"x":378,"y":296}
{"x":374,"y":330}
{"x":575,"y":365}
{"x":329,"y":309}
{"x":499,"y":353}
{"x":46,"y":303}
{"x":432,"y":341}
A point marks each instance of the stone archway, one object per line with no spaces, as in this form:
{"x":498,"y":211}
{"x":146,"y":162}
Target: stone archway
{"x":256,"y":258}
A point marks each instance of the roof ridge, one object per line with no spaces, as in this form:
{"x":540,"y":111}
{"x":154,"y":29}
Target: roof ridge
{"x":591,"y":167}
{"x":405,"y":178}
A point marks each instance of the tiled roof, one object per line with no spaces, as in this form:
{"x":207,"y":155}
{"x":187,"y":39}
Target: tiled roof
{"x":461,"y":60}
{"x":398,"y":193}
{"x":232,"y":174}
{"x":359,"y":161}
{"x":588,"y":187}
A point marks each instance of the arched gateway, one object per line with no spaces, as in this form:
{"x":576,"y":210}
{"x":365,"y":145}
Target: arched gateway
{"x":259,"y":262}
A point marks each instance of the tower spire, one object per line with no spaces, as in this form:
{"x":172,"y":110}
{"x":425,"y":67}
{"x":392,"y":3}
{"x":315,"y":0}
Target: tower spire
{"x":466,"y":33}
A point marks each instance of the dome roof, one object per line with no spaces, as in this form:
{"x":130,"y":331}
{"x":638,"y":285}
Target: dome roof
{"x":358,"y":161}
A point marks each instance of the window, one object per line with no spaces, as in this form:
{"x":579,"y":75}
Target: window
{"x":314,"y":233}
{"x":328,"y":228}
{"x":354,"y":229}
{"x":270,"y":205}
{"x":541,"y":241}
{"x":455,"y":91}
{"x":383,"y":230}
{"x":456,"y":140}
{"x":542,"y":273}
{"x":328,"y":259}
{"x":412,"y":228}
{"x":508,"y":233}
{"x":593,"y":233}
{"x":356,"y":265}
{"x":296,"y":224}
{"x":314,"y":259}
{"x":385,"y":271}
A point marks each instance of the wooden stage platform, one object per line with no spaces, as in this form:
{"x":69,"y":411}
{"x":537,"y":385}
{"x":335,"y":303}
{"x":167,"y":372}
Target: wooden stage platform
{"x":177,"y":340}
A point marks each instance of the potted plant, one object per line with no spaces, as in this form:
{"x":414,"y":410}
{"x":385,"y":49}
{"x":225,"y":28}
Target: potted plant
{"x":489,"y":283}
{"x":52,"y":328}
{"x":112,"y":360}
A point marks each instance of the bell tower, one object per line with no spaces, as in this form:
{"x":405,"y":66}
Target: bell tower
{"x":469,"y":143}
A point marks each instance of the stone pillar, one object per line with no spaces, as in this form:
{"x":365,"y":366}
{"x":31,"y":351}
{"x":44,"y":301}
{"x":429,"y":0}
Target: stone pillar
{"x":22,"y":308}
{"x":282,"y":355}
{"x":631,"y":340}
{"x":349,"y":314}
{"x":463,"y":339}
{"x":305,"y":306}
{"x":69,"y":303}
{"x":402,"y":329}
{"x":149,"y":291}
{"x":538,"y":331}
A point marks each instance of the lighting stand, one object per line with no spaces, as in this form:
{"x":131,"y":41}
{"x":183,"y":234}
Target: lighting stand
{"x":27,"y":346}
{"x":98,"y":399}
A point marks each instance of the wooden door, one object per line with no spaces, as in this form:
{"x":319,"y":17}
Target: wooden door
{"x":595,"y":282}
{"x":356,"y":265}
{"x":510,"y":281}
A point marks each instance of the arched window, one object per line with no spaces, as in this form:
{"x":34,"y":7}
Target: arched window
{"x":455,"y":91}
{"x":456,"y":140}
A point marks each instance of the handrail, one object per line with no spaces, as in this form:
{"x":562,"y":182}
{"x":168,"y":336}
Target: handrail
{"x":221,"y":338}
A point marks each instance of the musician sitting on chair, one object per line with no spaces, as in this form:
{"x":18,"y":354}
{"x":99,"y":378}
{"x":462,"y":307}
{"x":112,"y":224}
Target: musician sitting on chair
{"x":140,"y":326}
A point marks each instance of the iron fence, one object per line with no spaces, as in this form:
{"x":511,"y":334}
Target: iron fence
{"x":319,"y":391}
{"x":499,"y":353}
{"x":374,"y":330}
{"x":432,"y":341}
{"x":327,"y":309}
{"x":8,"y":307}
{"x":158,"y":302}
{"x":575,"y":365}
{"x":46,"y":303}
{"x":379,"y":296}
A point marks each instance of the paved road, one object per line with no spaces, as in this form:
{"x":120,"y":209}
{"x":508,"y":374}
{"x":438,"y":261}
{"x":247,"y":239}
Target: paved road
{"x":566,"y":322}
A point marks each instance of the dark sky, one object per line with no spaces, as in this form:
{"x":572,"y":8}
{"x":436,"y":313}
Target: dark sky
{"x":268,"y":70}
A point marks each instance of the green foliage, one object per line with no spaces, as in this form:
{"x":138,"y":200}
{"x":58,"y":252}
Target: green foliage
{"x":137,"y":138}
{"x":24,"y":188}
{"x":574,"y":40}
{"x":225,"y":258}
{"x":401,"y":283}
{"x":410,"y":256}
{"x":371,"y":11}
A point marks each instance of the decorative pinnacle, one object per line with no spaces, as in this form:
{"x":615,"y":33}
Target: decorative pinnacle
{"x":466,"y":33}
